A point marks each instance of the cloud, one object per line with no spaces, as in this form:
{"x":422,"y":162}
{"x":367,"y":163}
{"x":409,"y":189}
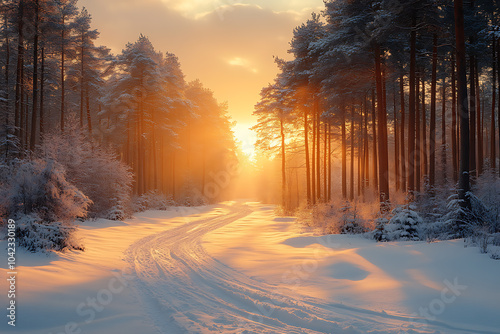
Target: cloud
{"x":241,"y":62}
{"x":199,"y":8}
{"x":233,"y":56}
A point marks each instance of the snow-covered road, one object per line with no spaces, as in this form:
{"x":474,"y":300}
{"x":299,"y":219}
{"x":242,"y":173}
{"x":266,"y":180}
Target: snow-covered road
{"x":236,"y":267}
{"x":184,"y":289}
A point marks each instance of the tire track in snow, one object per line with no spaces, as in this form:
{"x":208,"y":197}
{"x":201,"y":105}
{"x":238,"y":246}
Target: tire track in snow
{"x":184,"y":290}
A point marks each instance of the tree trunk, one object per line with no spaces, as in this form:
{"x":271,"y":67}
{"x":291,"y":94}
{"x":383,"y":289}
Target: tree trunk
{"x":351,"y":192}
{"x":308,"y":166}
{"x":498,"y":99}
{"x":411,"y":111}
{"x":375,"y":146}
{"x":472,"y":118}
{"x":396,"y":143}
{"x":366,"y":149}
{"x":425,"y":154}
{"x":443,"y":136}
{"x":329,"y":162}
{"x":432,"y":129}
{"x":493,"y":157}
{"x":174,"y":193}
{"x":140,"y":141}
{"x":360,"y":150}
{"x":34,"y":109}
{"x":154,"y":169}
{"x":82,"y":80}
{"x":382,"y":132}
{"x":22,"y":112}
{"x":418,"y":138}
{"x":463,"y":111}
{"x":42,"y":97}
{"x":318,"y":148}
{"x":283,"y":166}
{"x":402,"y":134}
{"x":479,"y":126}
{"x":454,"y":139}
{"x":20,"y":70}
{"x":63,"y":93}
{"x":313,"y":163}
{"x":344,"y":155}
{"x":89,"y":117}
{"x":7,"y":89}
{"x":325,"y":172}
{"x":25,"y":142}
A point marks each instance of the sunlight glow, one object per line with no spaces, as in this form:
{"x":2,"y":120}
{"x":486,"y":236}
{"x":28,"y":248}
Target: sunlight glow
{"x":246,"y":138}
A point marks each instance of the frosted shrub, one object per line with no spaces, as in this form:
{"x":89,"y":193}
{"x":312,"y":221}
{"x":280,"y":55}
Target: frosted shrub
{"x":460,"y":222}
{"x":152,"y":200}
{"x":350,"y":222}
{"x":117,"y":212}
{"x":494,"y":248}
{"x":36,"y":235}
{"x":337,"y":217}
{"x":487,"y":190}
{"x":95,"y":171}
{"x":40,"y":186}
{"x":43,"y":203}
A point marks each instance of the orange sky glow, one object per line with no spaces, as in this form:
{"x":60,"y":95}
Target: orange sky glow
{"x":229,"y":45}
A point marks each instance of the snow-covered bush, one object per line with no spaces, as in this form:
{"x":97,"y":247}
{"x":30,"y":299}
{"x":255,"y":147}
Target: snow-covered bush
{"x":494,"y":248}
{"x":152,"y":200}
{"x":380,"y":233}
{"x":462,"y":222}
{"x":95,"y":171}
{"x":350,"y":222}
{"x":338,"y":217}
{"x":403,"y":225}
{"x":35,"y":235}
{"x":487,"y":190}
{"x":43,"y":203}
{"x":117,"y":212}
{"x":40,"y":186}
{"x":431,"y":204}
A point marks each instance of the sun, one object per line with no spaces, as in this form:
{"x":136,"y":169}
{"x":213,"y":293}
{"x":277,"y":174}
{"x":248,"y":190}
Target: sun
{"x":246,"y":138}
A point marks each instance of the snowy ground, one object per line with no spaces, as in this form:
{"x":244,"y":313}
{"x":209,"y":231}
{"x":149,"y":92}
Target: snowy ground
{"x":236,"y":267}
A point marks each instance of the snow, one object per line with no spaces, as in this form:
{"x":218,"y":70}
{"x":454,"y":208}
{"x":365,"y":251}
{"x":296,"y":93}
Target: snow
{"x":238,"y":268}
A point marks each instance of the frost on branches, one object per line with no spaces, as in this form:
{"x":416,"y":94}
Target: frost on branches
{"x":43,"y":203}
{"x":95,"y":171}
{"x":69,"y":179}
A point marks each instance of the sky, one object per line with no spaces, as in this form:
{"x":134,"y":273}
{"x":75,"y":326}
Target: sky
{"x":229,"y":45}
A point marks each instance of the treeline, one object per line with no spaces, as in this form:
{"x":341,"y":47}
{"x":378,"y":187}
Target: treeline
{"x":173,"y":134}
{"x":408,"y":90}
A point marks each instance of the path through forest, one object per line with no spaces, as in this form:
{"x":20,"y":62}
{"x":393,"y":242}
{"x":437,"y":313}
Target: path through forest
{"x":184,"y":288}
{"x":237,"y":267}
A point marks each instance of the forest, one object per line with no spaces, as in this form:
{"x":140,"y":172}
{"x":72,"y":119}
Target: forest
{"x":396,"y":100}
{"x":391,"y":105}
{"x":84,"y":131}
{"x":366,"y":202}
